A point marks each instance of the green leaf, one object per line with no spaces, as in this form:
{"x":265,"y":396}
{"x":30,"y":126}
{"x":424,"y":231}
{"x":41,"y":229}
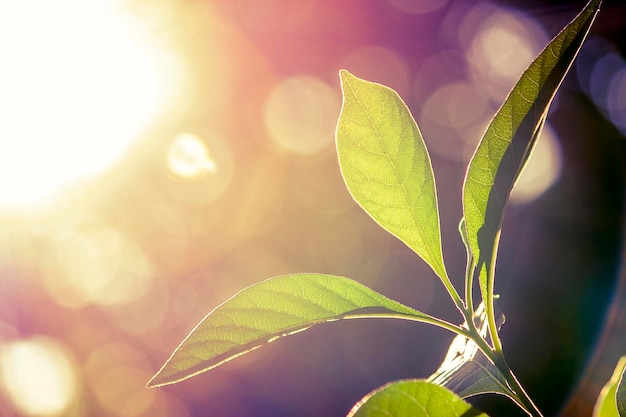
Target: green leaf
{"x":620,"y":395}
{"x":270,"y":310}
{"x":509,"y":140}
{"x":611,"y":399}
{"x":386,"y":166}
{"x":413,"y":397}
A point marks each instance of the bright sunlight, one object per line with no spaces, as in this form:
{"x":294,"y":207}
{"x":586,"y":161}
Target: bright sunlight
{"x":39,"y":376}
{"x":80,"y":81}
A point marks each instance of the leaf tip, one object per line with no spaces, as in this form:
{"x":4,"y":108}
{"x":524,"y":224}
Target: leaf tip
{"x":160,"y":379}
{"x":154,"y":381}
{"x":345,"y":76}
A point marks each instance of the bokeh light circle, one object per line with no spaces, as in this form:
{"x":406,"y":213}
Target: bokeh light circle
{"x":189,"y":157}
{"x":501,"y":49}
{"x":456,"y":105}
{"x":38,"y":377}
{"x":300,"y":114}
{"x":94,"y":263}
{"x":542,"y":170}
{"x":616,"y":99}
{"x":198,"y":167}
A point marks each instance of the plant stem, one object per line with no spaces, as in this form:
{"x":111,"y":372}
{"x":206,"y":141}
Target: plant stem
{"x":454,"y":295}
{"x":469,"y":284}
{"x":493,"y":328}
{"x":522,"y":397}
{"x":421,"y":319}
{"x":496,"y":357}
{"x":489,"y":308}
{"x":518,"y":394}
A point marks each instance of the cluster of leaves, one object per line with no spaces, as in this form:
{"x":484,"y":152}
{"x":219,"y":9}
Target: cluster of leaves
{"x":387,"y":170}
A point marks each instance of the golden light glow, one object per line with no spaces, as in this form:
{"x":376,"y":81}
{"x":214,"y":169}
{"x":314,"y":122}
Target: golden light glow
{"x":189,"y":157}
{"x":456,"y":115}
{"x":115,"y":389}
{"x":115,"y":375}
{"x":144,"y":314}
{"x":38,"y":377}
{"x":95,"y":264}
{"x":80,"y":81}
{"x":457,"y":105}
{"x":300,"y":114}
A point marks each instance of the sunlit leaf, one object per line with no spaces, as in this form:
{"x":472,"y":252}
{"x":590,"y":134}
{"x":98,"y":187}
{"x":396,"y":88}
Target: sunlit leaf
{"x":269,"y":310}
{"x":509,"y":140}
{"x":386,"y":166}
{"x":620,"y":395}
{"x":413,"y":397}
{"x":611,"y":398}
{"x":466,"y":371}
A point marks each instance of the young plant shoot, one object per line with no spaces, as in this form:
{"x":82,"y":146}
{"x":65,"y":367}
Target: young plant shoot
{"x":387,"y":170}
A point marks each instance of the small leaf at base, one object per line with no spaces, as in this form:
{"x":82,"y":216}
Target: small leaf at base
{"x":611,"y":398}
{"x":620,"y":395}
{"x":413,"y":397}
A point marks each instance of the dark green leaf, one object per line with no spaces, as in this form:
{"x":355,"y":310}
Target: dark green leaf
{"x":386,"y":166}
{"x":509,"y":140}
{"x":413,"y":397}
{"x":269,"y":310}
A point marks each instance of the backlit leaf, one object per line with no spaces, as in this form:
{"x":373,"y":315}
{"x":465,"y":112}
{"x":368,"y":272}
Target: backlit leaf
{"x":269,"y":310}
{"x":620,"y":395}
{"x":509,"y":140}
{"x":611,"y":398}
{"x":386,"y":166}
{"x":413,"y":397}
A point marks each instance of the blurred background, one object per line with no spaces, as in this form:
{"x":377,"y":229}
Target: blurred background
{"x":158,"y":156}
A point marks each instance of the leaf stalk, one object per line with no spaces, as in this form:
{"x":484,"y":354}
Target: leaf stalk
{"x":496,"y":356}
{"x":522,"y":398}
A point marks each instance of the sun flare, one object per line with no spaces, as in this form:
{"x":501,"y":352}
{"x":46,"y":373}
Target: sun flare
{"x":80,"y":81}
